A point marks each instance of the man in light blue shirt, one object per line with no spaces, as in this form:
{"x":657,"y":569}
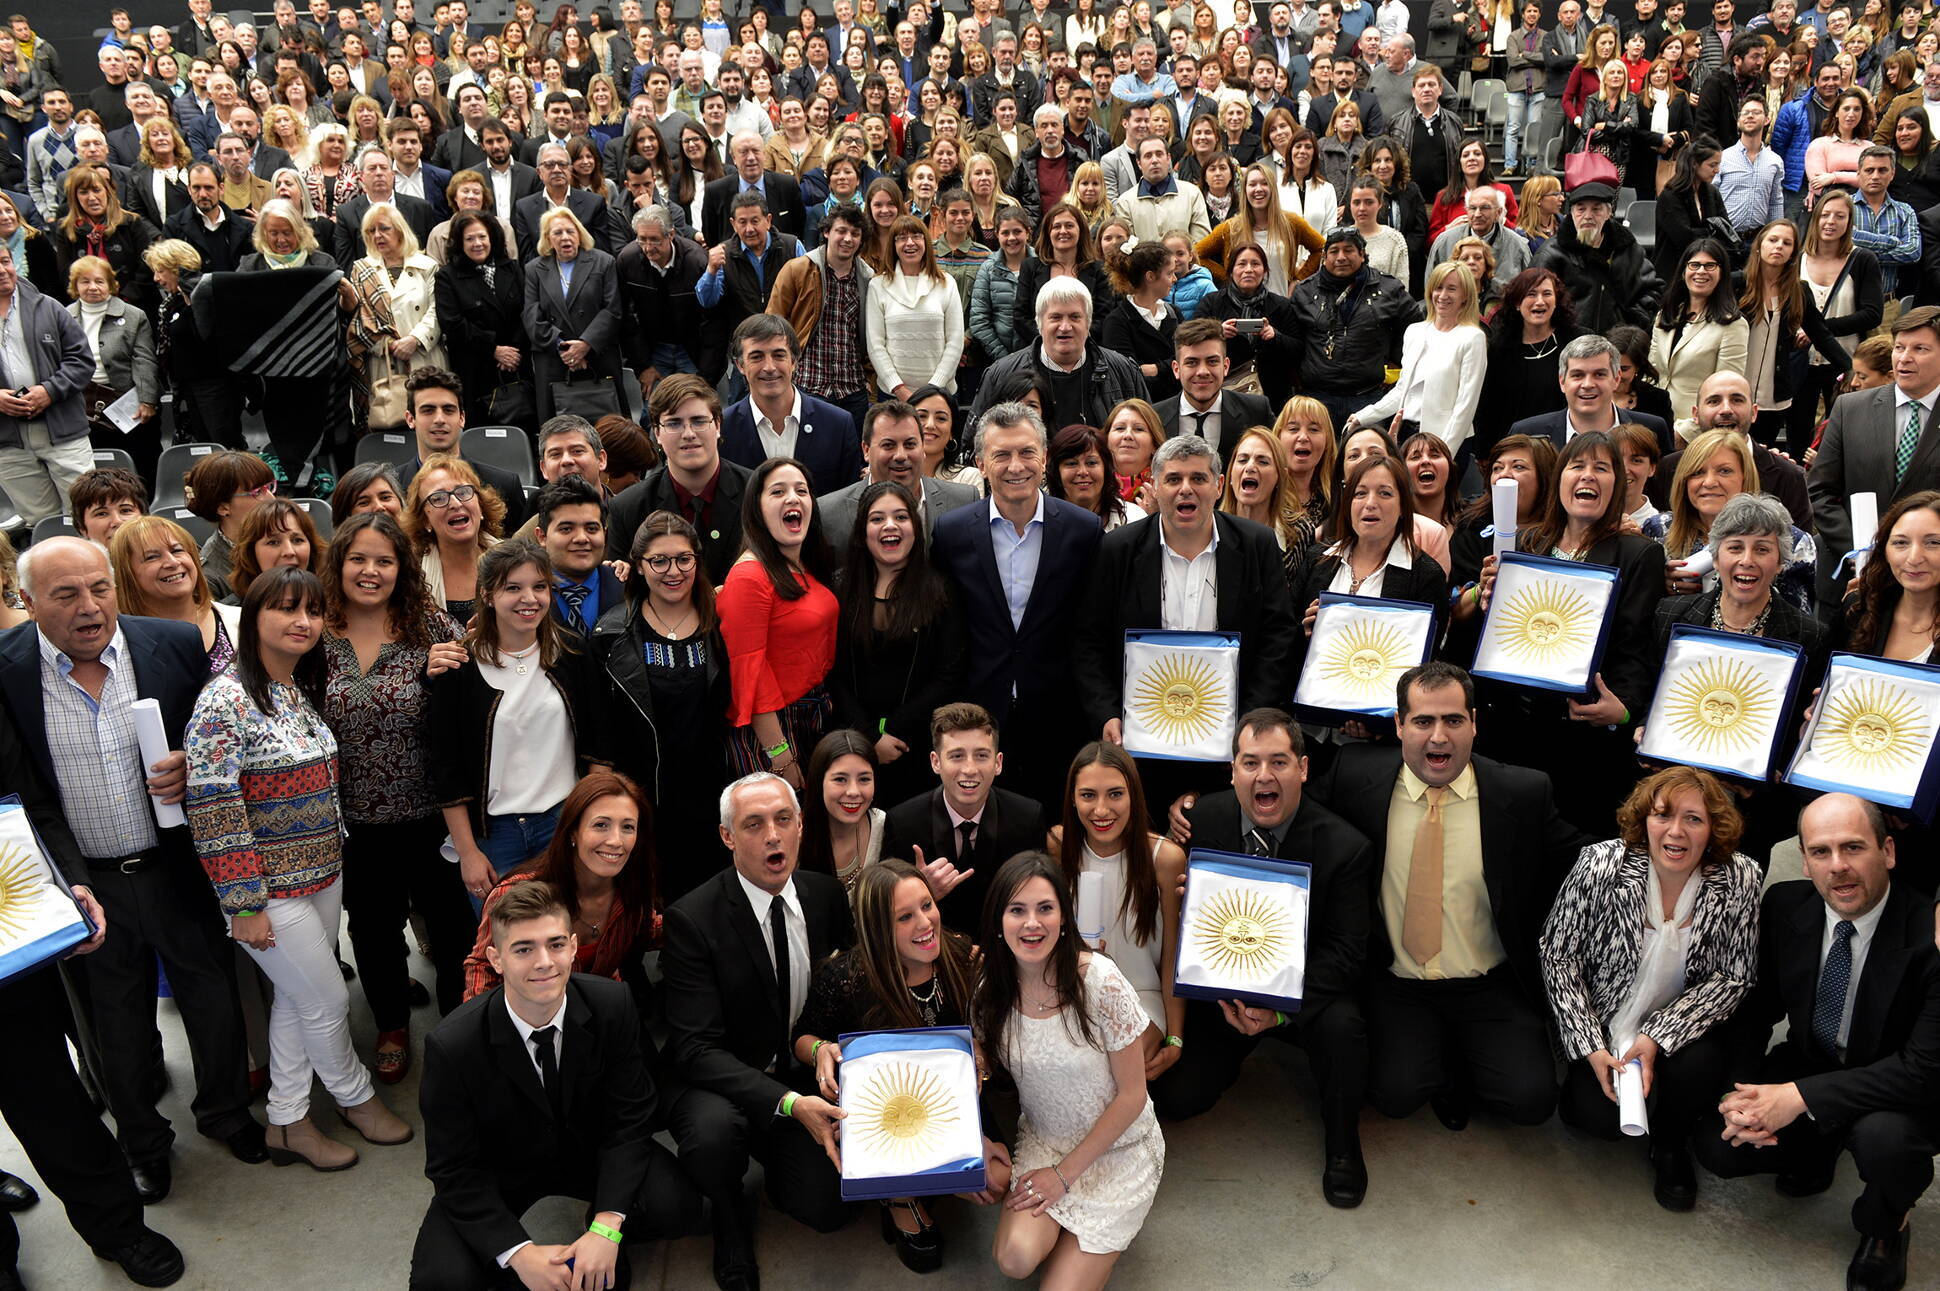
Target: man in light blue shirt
{"x":1752,"y":176}
{"x":1145,"y":83}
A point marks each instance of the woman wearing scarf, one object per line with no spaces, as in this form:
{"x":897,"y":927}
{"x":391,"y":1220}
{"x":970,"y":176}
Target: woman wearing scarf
{"x":1255,"y":323}
{"x":332,"y":180}
{"x":97,"y":225}
{"x":395,"y":326}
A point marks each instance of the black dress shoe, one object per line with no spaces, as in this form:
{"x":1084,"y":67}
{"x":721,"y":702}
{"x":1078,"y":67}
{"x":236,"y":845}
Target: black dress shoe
{"x":1344,"y":1181}
{"x":16,"y":1195}
{"x":920,"y":1251}
{"x":735,"y":1268}
{"x":1451,"y":1108}
{"x":737,"y":1277}
{"x":247,"y":1145}
{"x":1805,"y":1184}
{"x":151,"y":1260}
{"x":152,"y":1179}
{"x":1880,"y":1263}
{"x":1676,"y":1186}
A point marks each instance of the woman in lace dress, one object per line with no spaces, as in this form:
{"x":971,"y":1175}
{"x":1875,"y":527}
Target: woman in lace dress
{"x":1065,"y":1023}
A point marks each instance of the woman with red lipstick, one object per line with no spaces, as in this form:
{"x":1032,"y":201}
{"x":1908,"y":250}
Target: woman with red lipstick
{"x":778,"y":618}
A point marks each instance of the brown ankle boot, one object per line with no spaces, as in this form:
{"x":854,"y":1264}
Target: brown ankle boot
{"x":376,"y":1122}
{"x":303,"y":1141}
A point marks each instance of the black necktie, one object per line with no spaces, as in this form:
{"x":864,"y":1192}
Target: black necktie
{"x":1258,"y":843}
{"x":548,"y":1065}
{"x":1829,"y":1003}
{"x":966,"y":839}
{"x":778,"y":932}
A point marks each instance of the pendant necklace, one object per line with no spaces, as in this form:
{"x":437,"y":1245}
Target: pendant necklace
{"x":523,"y":656}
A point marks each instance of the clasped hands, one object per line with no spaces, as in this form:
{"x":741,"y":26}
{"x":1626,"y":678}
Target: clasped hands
{"x":1754,"y":1114}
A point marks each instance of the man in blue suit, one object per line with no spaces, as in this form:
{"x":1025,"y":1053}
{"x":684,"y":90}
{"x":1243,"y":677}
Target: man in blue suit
{"x":1020,"y":564}
{"x":571,"y":524}
{"x":777,"y":419}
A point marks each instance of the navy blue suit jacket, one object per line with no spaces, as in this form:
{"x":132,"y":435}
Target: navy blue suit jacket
{"x":828,"y":444}
{"x":612,"y":592}
{"x":1034,"y":658}
{"x":1555,"y":426}
{"x":436,"y":180}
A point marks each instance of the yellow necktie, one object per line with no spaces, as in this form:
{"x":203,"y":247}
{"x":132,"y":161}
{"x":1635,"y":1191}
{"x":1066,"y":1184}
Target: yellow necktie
{"x":1421,"y":920}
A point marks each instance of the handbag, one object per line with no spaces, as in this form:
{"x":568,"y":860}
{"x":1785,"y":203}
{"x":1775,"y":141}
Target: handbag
{"x":389,"y":400}
{"x":591,"y":399}
{"x":512,"y":404}
{"x":1589,"y":167}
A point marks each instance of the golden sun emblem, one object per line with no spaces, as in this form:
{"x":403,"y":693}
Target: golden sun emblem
{"x":1242,"y":935}
{"x":1722,"y":705}
{"x":1546,"y":623}
{"x":1366,"y":659}
{"x":1872,"y":729}
{"x":902,"y":1112}
{"x":1180,"y":699}
{"x":22,"y":888}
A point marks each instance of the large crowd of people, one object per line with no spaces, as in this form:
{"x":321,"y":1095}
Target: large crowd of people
{"x":962,"y":345}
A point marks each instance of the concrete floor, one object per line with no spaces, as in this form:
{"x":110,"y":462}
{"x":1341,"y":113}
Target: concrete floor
{"x":1493,"y":1207}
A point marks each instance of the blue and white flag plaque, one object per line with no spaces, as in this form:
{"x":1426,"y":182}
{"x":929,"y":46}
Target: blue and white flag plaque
{"x":1872,"y":733}
{"x":913,"y":1128}
{"x":1359,"y":648}
{"x":39,"y":918}
{"x":1243,"y":930}
{"x":1181,"y":695}
{"x":1548,"y":622}
{"x":1723,"y":701}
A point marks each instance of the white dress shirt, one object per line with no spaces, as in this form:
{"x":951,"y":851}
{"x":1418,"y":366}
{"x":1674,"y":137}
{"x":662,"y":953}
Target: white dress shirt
{"x":797,"y":925}
{"x":1397,"y":558}
{"x":1863,"y":929}
{"x":525,"y":1029}
{"x":501,"y":182}
{"x":1204,"y":424}
{"x":778,"y":441}
{"x":1188,"y":587}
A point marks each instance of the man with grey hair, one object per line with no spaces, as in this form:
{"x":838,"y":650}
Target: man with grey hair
{"x":375,"y":171}
{"x":1087,"y":380}
{"x":1044,"y":169}
{"x":556,"y":189}
{"x":658,"y":270}
{"x":1145,"y":83}
{"x":1391,"y":81}
{"x":568,"y":445}
{"x":1020,"y":565}
{"x":1004,"y":77}
{"x":1587,"y":371}
{"x":736,"y":953}
{"x":1196,"y":570}
{"x":751,"y":175}
{"x":1725,"y":402}
{"x":1484,"y":221}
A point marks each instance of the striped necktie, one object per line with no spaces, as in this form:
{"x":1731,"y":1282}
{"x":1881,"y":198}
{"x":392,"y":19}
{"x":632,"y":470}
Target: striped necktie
{"x":1908,"y":441}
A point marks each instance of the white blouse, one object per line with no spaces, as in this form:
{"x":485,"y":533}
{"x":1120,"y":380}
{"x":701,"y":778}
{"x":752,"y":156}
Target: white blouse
{"x":532,"y":738}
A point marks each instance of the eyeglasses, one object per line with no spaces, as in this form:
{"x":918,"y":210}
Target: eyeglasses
{"x":699,"y":425}
{"x":260,"y":491}
{"x":442,"y":498}
{"x":661,"y":564}
{"x":1701,"y":266}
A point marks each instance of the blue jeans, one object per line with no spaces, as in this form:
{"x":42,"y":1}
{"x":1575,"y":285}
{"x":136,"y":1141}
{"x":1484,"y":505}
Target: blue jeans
{"x":511,"y":841}
{"x":1525,"y":113}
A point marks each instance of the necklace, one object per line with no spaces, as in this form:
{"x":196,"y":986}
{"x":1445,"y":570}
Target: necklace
{"x":672,"y":632}
{"x":522,"y":656}
{"x":1539,"y":349}
{"x":1756,"y":628}
{"x":925,"y":1001}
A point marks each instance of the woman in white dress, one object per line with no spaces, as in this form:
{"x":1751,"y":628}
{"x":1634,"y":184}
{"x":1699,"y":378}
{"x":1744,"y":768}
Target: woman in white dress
{"x":1103,"y":833}
{"x":1066,"y":1024}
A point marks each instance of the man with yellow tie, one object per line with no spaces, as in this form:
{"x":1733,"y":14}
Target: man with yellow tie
{"x":1472,"y":854}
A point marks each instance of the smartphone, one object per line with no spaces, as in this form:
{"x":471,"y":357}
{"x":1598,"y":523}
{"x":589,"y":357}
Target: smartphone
{"x":1249,"y":326}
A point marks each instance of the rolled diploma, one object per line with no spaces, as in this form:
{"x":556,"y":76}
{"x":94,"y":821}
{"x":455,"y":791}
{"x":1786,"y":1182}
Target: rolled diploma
{"x":1631,"y":1115}
{"x":1503,"y":495}
{"x":1698,"y":563}
{"x":154,"y":748}
{"x":1864,"y":509}
{"x":1091,"y":906}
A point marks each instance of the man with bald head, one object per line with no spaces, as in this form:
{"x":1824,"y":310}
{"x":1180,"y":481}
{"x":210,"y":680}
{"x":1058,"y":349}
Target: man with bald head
{"x":1847,"y":957}
{"x":1725,"y":402}
{"x":69,"y":680}
{"x":783,"y":195}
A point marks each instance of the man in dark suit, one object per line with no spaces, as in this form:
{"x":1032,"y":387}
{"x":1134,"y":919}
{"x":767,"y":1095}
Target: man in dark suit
{"x":1021,"y":613}
{"x":555,"y":174}
{"x":966,"y":827}
{"x":1879,"y":441}
{"x":435,"y":414}
{"x":570,"y":517}
{"x":684,"y":417}
{"x":1725,"y":403}
{"x":1204,"y":407}
{"x":1266,"y":813}
{"x":541,"y":1087}
{"x":739,"y":279}
{"x":778,"y":419}
{"x":410,"y":173}
{"x":68,"y":679}
{"x":659,"y":271}
{"x":265,"y":160}
{"x":1195,"y":570}
{"x":783,"y":194}
{"x":223,"y":244}
{"x":816,"y":61}
{"x":511,"y":181}
{"x":374,"y":168}
{"x":558,"y":112}
{"x":1587,"y":372}
{"x":736,"y":953}
{"x":892,"y":448}
{"x":1452,"y":969}
{"x":462,"y":147}
{"x":1847,"y":959}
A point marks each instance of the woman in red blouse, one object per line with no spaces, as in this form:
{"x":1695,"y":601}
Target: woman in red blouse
{"x":601,"y":861}
{"x":778,"y":621}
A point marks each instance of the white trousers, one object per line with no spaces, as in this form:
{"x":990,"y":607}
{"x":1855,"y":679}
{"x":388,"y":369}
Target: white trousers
{"x":309,"y":1020}
{"x":38,"y":476}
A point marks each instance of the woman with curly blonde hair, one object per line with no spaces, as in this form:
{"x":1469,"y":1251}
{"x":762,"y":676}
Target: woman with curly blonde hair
{"x":451,"y":520}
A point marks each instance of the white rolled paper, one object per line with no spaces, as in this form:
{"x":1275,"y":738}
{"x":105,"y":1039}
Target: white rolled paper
{"x":1632,"y":1116}
{"x":1864,"y":509}
{"x":1698,"y":563}
{"x":154,"y":748}
{"x":1503,"y":495}
{"x":1091,"y":906}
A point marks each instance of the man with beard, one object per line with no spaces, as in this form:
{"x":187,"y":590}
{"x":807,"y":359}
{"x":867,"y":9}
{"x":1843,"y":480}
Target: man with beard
{"x":1718,"y":102}
{"x":511,"y":181}
{"x":1725,"y":403}
{"x":1607,"y":272}
{"x":1349,"y":324}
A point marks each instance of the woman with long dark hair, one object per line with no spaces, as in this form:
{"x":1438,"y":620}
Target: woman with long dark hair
{"x":1687,"y":204}
{"x":1529,"y":330}
{"x":1468,"y":169}
{"x":1064,"y":250}
{"x":481,"y":303}
{"x":1833,"y":157}
{"x":1896,"y":612}
{"x":1843,"y":282}
{"x":899,"y":643}
{"x":842,"y":828}
{"x":1402,"y":205}
{"x":1531,"y":462}
{"x":666,"y":675}
{"x":1699,"y":329}
{"x":1066,"y":1026}
{"x":1372,"y":548}
{"x":278,"y":532}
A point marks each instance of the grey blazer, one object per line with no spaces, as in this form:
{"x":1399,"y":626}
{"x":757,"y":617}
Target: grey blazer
{"x":127,"y":351}
{"x":1857,"y":456}
{"x":589,"y":312}
{"x":837,"y":509}
{"x":62,"y":362}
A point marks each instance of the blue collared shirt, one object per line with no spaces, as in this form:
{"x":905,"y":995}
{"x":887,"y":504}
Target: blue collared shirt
{"x":589,"y":609}
{"x":1892,"y":234}
{"x":1017,"y":556}
{"x":1129,"y":89}
{"x":1164,"y":188}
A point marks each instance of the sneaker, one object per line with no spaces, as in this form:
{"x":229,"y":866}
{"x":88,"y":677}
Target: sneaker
{"x":275,"y":464}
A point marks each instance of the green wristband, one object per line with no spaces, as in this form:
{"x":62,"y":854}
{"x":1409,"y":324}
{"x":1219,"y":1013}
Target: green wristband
{"x":778,"y":750}
{"x":1175,"y":1042}
{"x":1279,"y":1018}
{"x":816,"y":1048}
{"x":788,"y":1103}
{"x":610,"y":1234}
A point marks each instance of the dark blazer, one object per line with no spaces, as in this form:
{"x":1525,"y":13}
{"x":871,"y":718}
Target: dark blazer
{"x":475,"y":316}
{"x":1238,"y":413}
{"x":1122,"y":328}
{"x":491,"y":1142}
{"x":455,"y":151}
{"x":1345,"y":878}
{"x":1856,"y":455}
{"x":1124,"y":594}
{"x":268,"y":160}
{"x":1527,"y":848}
{"x":632,"y":726}
{"x":525,"y":182}
{"x":497,"y":479}
{"x":350,"y":224}
{"x":1554,"y":426}
{"x":436,"y":180}
{"x":661,"y":307}
{"x":723,"y":1025}
{"x":1011,"y":824}
{"x":587,"y":205}
{"x":124,"y":145}
{"x":588,"y":310}
{"x":827,"y":445}
{"x":1032,"y":659}
{"x":720,"y":541}
{"x":223,"y":248}
{"x":1424,"y":580}
{"x":1892,"y":1060}
{"x":140,"y":195}
{"x":784,"y":205}
{"x":837,"y":510}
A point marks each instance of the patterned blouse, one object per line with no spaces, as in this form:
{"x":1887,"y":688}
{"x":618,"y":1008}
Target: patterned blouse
{"x":379,"y":719}
{"x":262,"y":799}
